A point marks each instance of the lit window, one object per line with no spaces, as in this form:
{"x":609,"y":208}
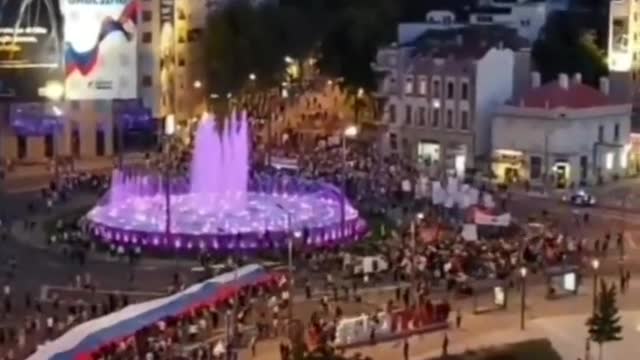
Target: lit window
{"x":609,"y":161}
{"x":423,"y":86}
{"x":408,"y":86}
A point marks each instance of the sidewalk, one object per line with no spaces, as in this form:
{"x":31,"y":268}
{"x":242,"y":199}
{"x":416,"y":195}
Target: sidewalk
{"x":30,"y":177}
{"x":37,"y":237}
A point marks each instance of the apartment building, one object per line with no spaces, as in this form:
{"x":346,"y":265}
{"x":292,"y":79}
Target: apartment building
{"x":623,"y":50}
{"x":527,"y":17}
{"x":439,"y":92}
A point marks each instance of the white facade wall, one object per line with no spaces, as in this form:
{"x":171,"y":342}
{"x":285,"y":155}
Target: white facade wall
{"x":493,"y":87}
{"x":551,"y":137}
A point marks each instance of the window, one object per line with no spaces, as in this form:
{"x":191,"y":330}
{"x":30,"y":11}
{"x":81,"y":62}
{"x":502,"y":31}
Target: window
{"x":407,"y":114}
{"x":75,"y":141}
{"x":194,"y":34}
{"x":146,"y":37}
{"x":100,"y":142}
{"x":423,"y":86}
{"x":422,"y":116}
{"x":22,"y":146}
{"x":48,"y":146}
{"x":436,"y":89}
{"x":464,"y":91}
{"x":393,"y":141}
{"x":616,"y":132}
{"x":435,"y":119}
{"x":408,"y":86}
{"x":75,"y":105}
{"x":536,"y":167}
{"x":450,"y":89}
{"x":601,"y":133}
{"x":449,"y":119}
{"x":146,"y":16}
{"x":464,"y":120}
{"x":101,"y":106}
{"x":147,"y":81}
{"x":392,"y":114}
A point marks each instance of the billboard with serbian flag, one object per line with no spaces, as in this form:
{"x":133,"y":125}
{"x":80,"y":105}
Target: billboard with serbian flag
{"x":100,"y":49}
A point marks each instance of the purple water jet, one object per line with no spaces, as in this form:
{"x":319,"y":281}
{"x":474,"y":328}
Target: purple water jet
{"x":218,"y":206}
{"x":220,"y":159}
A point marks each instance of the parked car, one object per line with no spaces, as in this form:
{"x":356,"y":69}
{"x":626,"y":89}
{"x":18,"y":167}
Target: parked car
{"x":580,"y":198}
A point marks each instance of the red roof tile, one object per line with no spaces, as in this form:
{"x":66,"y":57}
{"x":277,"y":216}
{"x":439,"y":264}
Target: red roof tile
{"x":575,"y":96}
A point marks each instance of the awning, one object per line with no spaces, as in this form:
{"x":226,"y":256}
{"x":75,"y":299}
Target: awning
{"x":87,"y":337}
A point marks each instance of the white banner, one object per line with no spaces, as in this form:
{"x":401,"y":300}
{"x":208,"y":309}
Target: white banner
{"x":100,"y":49}
{"x":482,"y":218}
{"x":279,"y":162}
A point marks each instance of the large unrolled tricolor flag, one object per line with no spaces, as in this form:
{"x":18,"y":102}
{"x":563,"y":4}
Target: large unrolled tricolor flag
{"x":82,"y":340}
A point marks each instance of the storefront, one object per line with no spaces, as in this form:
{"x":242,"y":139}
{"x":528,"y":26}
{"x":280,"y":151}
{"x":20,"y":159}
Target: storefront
{"x":509,"y":166}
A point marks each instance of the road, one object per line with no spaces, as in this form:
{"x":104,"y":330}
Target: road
{"x":43,"y":269}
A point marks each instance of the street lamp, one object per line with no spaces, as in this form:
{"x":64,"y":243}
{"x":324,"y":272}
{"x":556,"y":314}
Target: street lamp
{"x":595,"y":265}
{"x":197,"y":84}
{"x":523,"y":291}
{"x":54,"y":92}
{"x":357,"y":103}
{"x":169,"y":130}
{"x":288,"y":59}
{"x":252,"y":77}
{"x":350,"y":131}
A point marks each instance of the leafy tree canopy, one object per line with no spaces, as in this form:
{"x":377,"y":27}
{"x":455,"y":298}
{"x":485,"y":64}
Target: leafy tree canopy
{"x":565,"y":46}
{"x":343,"y":34}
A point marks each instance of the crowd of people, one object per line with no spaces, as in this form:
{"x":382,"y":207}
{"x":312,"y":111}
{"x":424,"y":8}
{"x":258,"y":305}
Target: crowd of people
{"x":433,"y":256}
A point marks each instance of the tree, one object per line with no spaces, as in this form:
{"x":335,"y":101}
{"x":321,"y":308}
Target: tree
{"x":243,"y":39}
{"x":604,"y":325}
{"x":565,"y":46}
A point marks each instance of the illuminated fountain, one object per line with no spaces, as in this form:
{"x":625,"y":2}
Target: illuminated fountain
{"x":219,"y":206}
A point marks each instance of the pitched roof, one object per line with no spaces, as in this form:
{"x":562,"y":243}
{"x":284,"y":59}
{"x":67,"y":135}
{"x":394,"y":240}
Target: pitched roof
{"x":552,"y":95}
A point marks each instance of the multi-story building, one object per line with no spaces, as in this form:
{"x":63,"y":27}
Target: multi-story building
{"x":170,"y":80}
{"x":527,"y":17}
{"x":623,"y":49}
{"x":564,"y":132}
{"x":440,"y":91}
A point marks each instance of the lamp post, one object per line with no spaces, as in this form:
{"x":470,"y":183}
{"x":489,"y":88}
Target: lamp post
{"x":350,"y":131}
{"x":169,"y":130}
{"x":54,"y":92}
{"x":356,"y":105}
{"x":595,"y":265}
{"x":414,"y":224}
{"x":523,"y":292}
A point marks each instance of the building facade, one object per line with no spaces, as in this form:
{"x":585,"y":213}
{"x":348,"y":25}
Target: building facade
{"x":171,"y":80}
{"x":438,"y":99}
{"x":623,"y":49}
{"x":562,"y":133}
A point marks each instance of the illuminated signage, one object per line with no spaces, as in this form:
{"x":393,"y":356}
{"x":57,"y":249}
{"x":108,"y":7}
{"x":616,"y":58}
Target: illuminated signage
{"x":100,"y":49}
{"x":30,"y":48}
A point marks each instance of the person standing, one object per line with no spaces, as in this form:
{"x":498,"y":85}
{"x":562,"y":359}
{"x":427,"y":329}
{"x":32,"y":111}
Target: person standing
{"x":458,"y":318}
{"x":405,"y":349}
{"x":445,"y":345}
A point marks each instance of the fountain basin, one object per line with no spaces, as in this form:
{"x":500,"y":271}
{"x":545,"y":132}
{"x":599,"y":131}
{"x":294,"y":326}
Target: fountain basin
{"x":206,"y":221}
